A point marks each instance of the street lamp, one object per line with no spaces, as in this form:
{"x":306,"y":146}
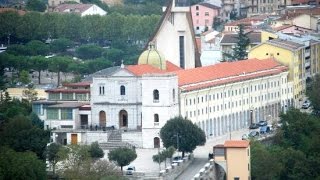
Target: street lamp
{"x":177,"y":136}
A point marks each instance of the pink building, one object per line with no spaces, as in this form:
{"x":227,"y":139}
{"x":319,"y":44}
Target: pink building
{"x":203,"y":15}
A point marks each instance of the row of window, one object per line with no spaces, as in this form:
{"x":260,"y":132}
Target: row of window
{"x":65,"y":114}
{"x":231,"y":93}
{"x":68,"y":96}
{"x":156,"y":94}
{"x":234,"y":104}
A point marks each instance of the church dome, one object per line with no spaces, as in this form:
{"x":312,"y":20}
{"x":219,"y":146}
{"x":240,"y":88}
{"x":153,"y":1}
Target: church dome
{"x":152,"y":57}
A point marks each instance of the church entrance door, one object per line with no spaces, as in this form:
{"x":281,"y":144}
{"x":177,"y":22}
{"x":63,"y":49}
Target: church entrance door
{"x":123,"y":118}
{"x":102,"y":119}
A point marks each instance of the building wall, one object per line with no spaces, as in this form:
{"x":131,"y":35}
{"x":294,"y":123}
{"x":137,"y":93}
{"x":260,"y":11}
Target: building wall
{"x":221,"y":109}
{"x":57,"y":123}
{"x":94,"y":10}
{"x":166,"y":108}
{"x":293,"y":60}
{"x":167,"y":38}
{"x":265,"y":36}
{"x":306,"y":21}
{"x":54,"y":3}
{"x":203,"y":17}
{"x":238,"y":163}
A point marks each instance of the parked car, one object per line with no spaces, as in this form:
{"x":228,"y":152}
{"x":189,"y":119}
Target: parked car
{"x":306,"y":104}
{"x":245,"y":137}
{"x":176,"y":159}
{"x":130,"y":170}
{"x":262,"y":123}
{"x":253,"y":134}
{"x":253,"y":126}
{"x":264,"y":129}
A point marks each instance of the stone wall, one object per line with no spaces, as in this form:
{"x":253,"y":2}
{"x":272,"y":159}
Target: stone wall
{"x":92,"y":136}
{"x":210,"y":171}
{"x":176,"y":169}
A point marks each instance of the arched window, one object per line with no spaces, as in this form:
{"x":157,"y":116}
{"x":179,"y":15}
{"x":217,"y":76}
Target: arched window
{"x":156,"y":117}
{"x":174,"y":95}
{"x":155,"y":95}
{"x":122,"y":90}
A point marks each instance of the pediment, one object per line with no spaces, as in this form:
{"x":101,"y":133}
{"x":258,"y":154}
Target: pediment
{"x":122,"y":73}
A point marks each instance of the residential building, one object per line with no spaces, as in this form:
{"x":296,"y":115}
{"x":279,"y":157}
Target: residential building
{"x":230,"y":96}
{"x":54,"y":3}
{"x":248,"y":23}
{"x":229,"y":42}
{"x":209,"y":45}
{"x":81,"y":9}
{"x":234,"y":157}
{"x":302,"y":20}
{"x":203,"y":15}
{"x":290,"y":54}
{"x":175,"y":36}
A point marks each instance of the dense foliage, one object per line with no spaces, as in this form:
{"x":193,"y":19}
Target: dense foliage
{"x":122,"y":156}
{"x":22,"y":141}
{"x":295,"y":150}
{"x":80,"y":162}
{"x":183,"y":133}
{"x":314,"y":95}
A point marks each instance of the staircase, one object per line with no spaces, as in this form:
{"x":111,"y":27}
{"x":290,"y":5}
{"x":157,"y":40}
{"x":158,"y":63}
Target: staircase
{"x":114,"y":141}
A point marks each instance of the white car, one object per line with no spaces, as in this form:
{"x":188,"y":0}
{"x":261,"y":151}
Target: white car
{"x":306,"y":104}
{"x":130,"y":170}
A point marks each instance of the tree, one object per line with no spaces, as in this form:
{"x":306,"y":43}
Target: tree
{"x":39,"y":63}
{"x":20,"y":165}
{"x":37,"y":48}
{"x":52,"y":155}
{"x":30,"y":94}
{"x":182,"y":134}
{"x":163,"y":155}
{"x":95,"y":151}
{"x":263,"y":161}
{"x":59,"y":64}
{"x":60,"y":45}
{"x":89,"y":51}
{"x":243,"y":41}
{"x":314,"y":94}
{"x":20,"y":135}
{"x":36,"y":5}
{"x":24,"y":77}
{"x":78,"y":164}
{"x":122,"y":156}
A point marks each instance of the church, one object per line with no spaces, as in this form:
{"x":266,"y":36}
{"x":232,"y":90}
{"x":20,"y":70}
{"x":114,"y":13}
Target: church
{"x":135,"y":101}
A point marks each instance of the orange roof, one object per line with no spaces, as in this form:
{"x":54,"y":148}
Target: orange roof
{"x":172,"y":67}
{"x":224,"y":70}
{"x":141,"y":69}
{"x":236,"y":144}
{"x":222,"y":73}
{"x":247,"y":21}
{"x":78,"y":84}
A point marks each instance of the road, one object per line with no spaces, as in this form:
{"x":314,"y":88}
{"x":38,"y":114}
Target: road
{"x":201,"y":153}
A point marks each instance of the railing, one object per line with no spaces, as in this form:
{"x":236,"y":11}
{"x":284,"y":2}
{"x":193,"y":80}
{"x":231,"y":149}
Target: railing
{"x":97,"y":128}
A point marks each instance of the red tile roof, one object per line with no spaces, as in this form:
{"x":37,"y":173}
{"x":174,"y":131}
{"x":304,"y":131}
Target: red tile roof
{"x":214,"y":75}
{"x":76,"y":8}
{"x":60,"y":90}
{"x":224,"y":70}
{"x":78,"y":84}
{"x":247,"y":21}
{"x":236,"y":144}
{"x":172,"y":67}
{"x":142,"y":69}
